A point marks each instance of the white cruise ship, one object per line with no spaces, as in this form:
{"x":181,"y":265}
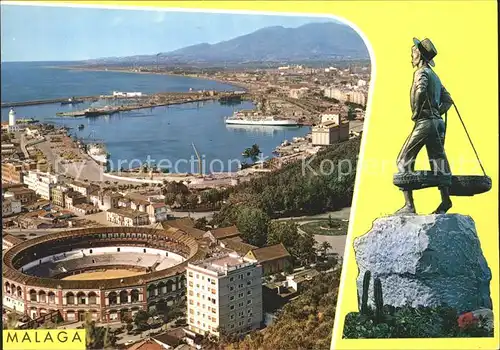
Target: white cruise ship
{"x":242,"y":118}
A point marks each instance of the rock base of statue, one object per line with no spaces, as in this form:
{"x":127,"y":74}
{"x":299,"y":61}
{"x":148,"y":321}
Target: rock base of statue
{"x":428,"y":261}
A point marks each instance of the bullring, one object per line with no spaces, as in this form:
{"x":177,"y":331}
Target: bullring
{"x":105,"y":271}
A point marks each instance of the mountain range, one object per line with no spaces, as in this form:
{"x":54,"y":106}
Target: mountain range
{"x":310,"y":42}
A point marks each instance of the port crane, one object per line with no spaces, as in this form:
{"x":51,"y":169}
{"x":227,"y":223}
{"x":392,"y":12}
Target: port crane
{"x":199,"y":160}
{"x":90,"y":139}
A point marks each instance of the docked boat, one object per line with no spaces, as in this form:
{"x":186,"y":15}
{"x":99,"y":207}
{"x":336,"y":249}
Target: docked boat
{"x":97,"y":151}
{"x":246,"y":118}
{"x":71,"y":101}
{"x":95,"y":112}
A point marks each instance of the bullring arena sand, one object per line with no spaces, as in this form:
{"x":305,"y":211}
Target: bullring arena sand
{"x":103,"y":275}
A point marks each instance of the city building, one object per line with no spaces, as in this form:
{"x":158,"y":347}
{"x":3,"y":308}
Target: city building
{"x":351,"y":96}
{"x":218,"y":234}
{"x":105,"y":200}
{"x":8,"y":241}
{"x":8,"y":149}
{"x":224,"y":294}
{"x":12,"y":172}
{"x":84,"y":188}
{"x":10,"y":206}
{"x":236,"y":244}
{"x":362,"y":82}
{"x":297,"y":280}
{"x":298,"y":93}
{"x":138,"y":204}
{"x":184,"y":224}
{"x":40,"y":182}
{"x":57,"y":195}
{"x":274,"y":258}
{"x":73,"y":198}
{"x":330,"y":117}
{"x":157,"y":212}
{"x":332,"y":130}
{"x":127,"y":217}
{"x":25,"y":195}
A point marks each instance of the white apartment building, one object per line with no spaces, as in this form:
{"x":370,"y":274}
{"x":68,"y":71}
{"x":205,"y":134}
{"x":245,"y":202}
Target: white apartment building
{"x":40,"y":182}
{"x":330,"y":117}
{"x":224,"y":294}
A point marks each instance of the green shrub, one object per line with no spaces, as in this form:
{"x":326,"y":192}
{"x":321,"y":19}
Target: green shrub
{"x":410,"y":322}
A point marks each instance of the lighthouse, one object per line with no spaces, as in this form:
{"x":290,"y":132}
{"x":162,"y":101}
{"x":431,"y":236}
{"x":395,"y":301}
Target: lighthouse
{"x":12,"y":117}
{"x":12,"y":120}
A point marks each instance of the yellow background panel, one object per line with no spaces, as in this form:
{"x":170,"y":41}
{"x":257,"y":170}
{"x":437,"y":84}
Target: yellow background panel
{"x":465,"y":35}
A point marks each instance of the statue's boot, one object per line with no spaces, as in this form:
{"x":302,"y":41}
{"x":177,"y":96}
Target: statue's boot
{"x":409,"y":208}
{"x":446,"y":203}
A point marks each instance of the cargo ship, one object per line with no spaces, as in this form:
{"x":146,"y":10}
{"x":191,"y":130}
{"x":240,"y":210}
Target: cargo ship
{"x":246,"y":118}
{"x":95,"y":112}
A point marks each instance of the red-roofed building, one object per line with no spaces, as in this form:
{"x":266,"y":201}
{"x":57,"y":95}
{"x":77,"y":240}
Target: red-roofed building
{"x":274,"y":258}
{"x":218,"y":234}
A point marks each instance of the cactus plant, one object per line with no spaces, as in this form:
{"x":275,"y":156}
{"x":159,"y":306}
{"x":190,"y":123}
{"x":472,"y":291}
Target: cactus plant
{"x":379,"y":301}
{"x":364,"y":296}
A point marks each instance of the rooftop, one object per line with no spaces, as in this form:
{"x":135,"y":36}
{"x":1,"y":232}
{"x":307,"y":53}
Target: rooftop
{"x":20,"y":190}
{"x":272,"y":252}
{"x":223,"y":264}
{"x":303,"y":275}
{"x":225,"y":232}
{"x":237,"y":245}
{"x":147,"y":344}
{"x":11,"y":239}
{"x":129,"y":213}
{"x":186,"y":225}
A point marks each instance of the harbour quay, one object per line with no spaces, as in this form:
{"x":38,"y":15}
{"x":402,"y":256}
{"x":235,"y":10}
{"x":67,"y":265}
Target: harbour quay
{"x":139,"y":100}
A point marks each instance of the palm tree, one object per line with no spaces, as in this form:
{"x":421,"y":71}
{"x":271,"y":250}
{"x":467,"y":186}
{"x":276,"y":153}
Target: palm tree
{"x":12,"y":319}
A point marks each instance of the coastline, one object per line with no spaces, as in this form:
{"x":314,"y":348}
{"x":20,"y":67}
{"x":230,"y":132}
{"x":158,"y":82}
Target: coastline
{"x":76,"y":68}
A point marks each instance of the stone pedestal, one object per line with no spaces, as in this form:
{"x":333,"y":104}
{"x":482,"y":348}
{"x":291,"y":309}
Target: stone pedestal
{"x":425,"y":261}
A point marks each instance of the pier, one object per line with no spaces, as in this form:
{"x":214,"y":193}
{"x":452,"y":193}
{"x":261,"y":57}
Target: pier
{"x":46,"y":102}
{"x":153,"y":100}
{"x":93,"y":112}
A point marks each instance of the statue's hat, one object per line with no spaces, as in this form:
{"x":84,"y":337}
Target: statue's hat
{"x":427,"y":49}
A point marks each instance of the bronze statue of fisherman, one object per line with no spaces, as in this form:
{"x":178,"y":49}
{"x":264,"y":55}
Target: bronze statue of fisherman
{"x":429,"y":101}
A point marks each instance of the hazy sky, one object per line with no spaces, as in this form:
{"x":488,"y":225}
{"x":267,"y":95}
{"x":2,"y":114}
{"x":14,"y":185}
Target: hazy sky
{"x":39,"y":33}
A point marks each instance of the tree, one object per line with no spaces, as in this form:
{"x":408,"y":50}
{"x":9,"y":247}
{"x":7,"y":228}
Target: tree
{"x":325,"y":246}
{"x":12,"y":320}
{"x":192,"y":200}
{"x":285,"y":232}
{"x":170,"y":198}
{"x":330,"y":221}
{"x":141,"y":318}
{"x":205,"y":197}
{"x":307,"y":252}
{"x":97,"y":337}
{"x":252,"y":153}
{"x":253,"y":224}
{"x":181,"y":199}
{"x":351,"y":113}
{"x":306,"y":321}
{"x":201,"y":223}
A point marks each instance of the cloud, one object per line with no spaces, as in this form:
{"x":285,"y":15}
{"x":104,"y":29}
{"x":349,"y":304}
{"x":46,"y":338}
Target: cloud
{"x":159,"y":17}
